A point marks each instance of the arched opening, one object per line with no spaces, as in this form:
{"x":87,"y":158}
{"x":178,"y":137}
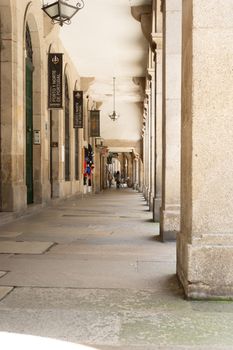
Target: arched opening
{"x":29,"y":115}
{"x":67,"y":131}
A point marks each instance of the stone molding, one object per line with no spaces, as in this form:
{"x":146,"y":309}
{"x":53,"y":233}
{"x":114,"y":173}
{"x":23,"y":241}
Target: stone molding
{"x":157,"y":39}
{"x":86,"y":82}
{"x":143,"y":14}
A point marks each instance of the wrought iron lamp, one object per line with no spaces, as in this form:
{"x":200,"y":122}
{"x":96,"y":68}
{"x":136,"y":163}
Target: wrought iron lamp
{"x":114,"y":116}
{"x":62,"y":11}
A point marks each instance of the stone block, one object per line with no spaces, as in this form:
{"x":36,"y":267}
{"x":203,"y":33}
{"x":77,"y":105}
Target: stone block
{"x":170,"y":224}
{"x":210,"y":272}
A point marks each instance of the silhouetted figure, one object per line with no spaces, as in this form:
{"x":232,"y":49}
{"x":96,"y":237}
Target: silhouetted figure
{"x":118,"y":179}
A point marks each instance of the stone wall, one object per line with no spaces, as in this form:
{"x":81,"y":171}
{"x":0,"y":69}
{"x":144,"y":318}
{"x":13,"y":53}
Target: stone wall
{"x":45,"y":38}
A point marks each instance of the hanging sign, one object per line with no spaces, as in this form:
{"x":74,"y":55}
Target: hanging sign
{"x":55,"y":71}
{"x":78,"y":109}
{"x":95,"y":123}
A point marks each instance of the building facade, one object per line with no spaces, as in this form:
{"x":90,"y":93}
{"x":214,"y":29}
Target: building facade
{"x":41,"y":152}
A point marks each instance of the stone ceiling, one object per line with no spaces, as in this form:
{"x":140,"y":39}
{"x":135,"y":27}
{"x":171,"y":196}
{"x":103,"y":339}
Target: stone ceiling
{"x":104,"y":40}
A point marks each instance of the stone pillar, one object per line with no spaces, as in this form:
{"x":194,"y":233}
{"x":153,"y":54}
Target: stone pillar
{"x":137,"y":175}
{"x":205,"y":243}
{"x":141,"y":175}
{"x":157,"y":39}
{"x":134,"y":173}
{"x":170,"y":209}
{"x":13,"y":189}
{"x":55,"y":117}
{"x":146,"y":162}
{"x":149,"y":146}
{"x":97,"y":171}
{"x":151,"y":73}
{"x":130,"y":167}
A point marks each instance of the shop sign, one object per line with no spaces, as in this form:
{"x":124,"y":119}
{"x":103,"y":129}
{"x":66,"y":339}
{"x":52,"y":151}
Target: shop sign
{"x":95,"y":123}
{"x":78,"y":109}
{"x":55,"y":71}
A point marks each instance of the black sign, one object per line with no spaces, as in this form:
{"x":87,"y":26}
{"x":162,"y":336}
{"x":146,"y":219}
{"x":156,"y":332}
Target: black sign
{"x":78,"y":109}
{"x":55,"y":67}
{"x":95,"y":123}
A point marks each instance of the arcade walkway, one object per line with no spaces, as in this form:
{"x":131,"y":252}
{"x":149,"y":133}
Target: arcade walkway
{"x":90,"y":271}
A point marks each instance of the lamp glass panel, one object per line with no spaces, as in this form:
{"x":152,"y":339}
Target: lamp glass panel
{"x":67,"y":11}
{"x":53,"y":10}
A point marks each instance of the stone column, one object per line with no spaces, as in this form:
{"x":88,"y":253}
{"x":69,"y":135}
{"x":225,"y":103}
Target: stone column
{"x":170,"y":209}
{"x":97,"y":170}
{"x":130,"y":166}
{"x":137,"y":173}
{"x":205,"y":244}
{"x":13,"y":189}
{"x":141,"y":175}
{"x":149,"y":146}
{"x":157,"y":39}
{"x":146,"y":151}
{"x":151,"y":73}
{"x":158,"y":136}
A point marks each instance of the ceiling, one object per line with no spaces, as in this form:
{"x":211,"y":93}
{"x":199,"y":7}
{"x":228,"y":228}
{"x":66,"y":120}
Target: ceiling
{"x":104,"y":41}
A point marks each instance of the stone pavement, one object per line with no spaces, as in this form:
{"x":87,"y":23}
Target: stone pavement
{"x":88,"y":273}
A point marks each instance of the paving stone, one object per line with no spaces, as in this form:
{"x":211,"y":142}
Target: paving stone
{"x":2,"y":273}
{"x":9,"y":247}
{"x":4,"y":291}
{"x":9,"y":234}
{"x":107,"y":283}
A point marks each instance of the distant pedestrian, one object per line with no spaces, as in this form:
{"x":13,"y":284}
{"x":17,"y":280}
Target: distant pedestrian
{"x":118,"y":179}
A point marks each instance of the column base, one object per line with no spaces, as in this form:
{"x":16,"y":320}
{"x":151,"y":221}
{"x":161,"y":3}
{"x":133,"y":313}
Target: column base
{"x":145,"y":192}
{"x":151,"y":201}
{"x":170,"y":223}
{"x":196,"y":260}
{"x":14,"y":197}
{"x":156,"y":209}
{"x":148,"y":196}
{"x":42,"y":192}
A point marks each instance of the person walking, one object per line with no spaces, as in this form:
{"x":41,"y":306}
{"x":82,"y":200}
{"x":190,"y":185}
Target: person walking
{"x":118,"y":179}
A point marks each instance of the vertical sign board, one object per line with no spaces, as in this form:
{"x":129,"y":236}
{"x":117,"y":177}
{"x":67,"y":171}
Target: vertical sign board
{"x":55,"y":71}
{"x":95,"y":123}
{"x":78,"y":109}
